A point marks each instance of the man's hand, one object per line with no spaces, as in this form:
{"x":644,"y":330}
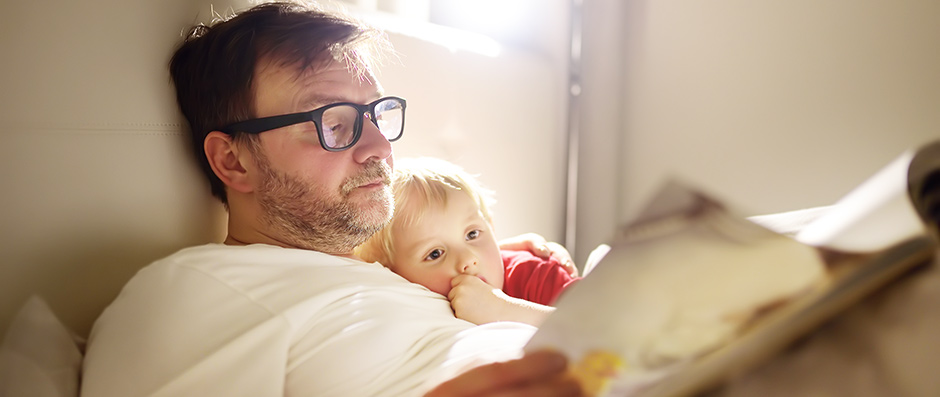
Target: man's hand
{"x":541,"y":373}
{"x":538,"y":246}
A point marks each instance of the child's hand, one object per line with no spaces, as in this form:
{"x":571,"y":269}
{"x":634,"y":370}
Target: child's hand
{"x":478,"y":302}
{"x":538,"y":246}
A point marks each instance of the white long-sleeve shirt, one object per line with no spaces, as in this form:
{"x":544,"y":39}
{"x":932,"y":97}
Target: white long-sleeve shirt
{"x":260,"y":320}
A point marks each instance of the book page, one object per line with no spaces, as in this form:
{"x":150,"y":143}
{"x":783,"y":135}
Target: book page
{"x":872,"y":217}
{"x":678,"y":283}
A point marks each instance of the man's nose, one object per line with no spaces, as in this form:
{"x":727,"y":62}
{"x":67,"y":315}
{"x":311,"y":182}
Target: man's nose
{"x":372,"y":144}
{"x":371,"y":118}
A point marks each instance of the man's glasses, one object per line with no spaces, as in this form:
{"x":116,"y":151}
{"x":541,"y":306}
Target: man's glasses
{"x":339,"y":125}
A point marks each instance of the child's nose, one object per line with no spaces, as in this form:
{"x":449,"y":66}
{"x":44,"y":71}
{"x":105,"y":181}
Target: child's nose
{"x":468,"y":266}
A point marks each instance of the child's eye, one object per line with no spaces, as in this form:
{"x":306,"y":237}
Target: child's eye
{"x":435,"y":254}
{"x":473,"y":235}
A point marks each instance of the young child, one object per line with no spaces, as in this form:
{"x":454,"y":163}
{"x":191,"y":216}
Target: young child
{"x":441,"y":236}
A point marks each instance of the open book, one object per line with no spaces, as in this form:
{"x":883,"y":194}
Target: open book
{"x":690,"y":294}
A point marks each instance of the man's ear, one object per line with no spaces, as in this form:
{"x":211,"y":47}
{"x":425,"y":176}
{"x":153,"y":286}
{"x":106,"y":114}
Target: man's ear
{"x":224,"y":159}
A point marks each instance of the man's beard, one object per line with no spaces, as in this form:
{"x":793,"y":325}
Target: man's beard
{"x":312,"y":217}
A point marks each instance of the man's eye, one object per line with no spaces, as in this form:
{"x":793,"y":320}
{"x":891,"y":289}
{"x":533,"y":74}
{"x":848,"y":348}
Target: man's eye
{"x":473,"y":235}
{"x":338,"y":129}
{"x":435,"y":254}
{"x":337,"y":135}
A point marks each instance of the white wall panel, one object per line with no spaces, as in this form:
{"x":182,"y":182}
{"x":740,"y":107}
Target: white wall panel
{"x":772,"y":105}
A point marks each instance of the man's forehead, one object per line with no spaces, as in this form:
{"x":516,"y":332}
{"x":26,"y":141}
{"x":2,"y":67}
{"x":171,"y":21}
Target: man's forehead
{"x":322,"y":83}
{"x":326,"y":92}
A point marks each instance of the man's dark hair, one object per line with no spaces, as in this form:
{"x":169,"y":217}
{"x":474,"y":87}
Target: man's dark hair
{"x":214,"y":67}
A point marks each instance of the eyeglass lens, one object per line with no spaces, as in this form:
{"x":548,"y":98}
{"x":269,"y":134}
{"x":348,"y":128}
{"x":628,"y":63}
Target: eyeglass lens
{"x":339,"y":123}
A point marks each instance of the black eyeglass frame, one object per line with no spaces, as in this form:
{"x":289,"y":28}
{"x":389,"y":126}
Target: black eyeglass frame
{"x":259,"y":125}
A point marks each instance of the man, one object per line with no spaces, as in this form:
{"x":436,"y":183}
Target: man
{"x":293,"y":132}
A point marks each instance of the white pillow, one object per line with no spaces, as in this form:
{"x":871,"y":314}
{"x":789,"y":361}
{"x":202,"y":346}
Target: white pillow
{"x":39,"y":356}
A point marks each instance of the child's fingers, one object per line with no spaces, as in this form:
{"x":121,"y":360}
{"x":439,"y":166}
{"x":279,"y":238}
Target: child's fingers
{"x":560,"y":253}
{"x":531,"y":242}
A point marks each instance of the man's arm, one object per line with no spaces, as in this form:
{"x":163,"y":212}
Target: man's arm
{"x":542,"y":373}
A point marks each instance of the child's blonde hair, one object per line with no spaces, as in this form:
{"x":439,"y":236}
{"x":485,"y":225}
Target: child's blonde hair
{"x":423,"y":181}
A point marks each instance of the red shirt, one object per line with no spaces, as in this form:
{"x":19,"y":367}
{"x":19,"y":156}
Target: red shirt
{"x":534,"y":279}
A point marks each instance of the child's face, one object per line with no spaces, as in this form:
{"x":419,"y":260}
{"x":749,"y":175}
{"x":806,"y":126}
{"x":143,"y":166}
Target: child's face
{"x":449,"y":240}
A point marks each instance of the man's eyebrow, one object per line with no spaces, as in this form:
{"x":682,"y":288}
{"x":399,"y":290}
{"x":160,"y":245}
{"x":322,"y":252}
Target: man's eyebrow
{"x":315,"y":101}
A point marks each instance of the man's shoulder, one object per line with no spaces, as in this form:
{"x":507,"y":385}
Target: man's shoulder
{"x":214,"y":256}
{"x":244,"y":268}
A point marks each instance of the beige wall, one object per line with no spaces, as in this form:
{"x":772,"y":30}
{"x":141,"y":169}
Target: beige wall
{"x":771,"y":105}
{"x":97,"y":177}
